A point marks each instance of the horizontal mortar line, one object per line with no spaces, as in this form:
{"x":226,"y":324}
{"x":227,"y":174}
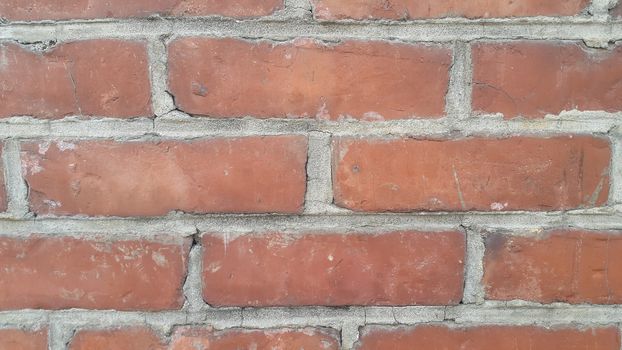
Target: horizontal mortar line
{"x":431,"y":31}
{"x":558,"y":314}
{"x":182,"y":126}
{"x":186,"y":225}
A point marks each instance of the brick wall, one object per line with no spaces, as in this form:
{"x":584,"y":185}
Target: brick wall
{"x":310,"y":174}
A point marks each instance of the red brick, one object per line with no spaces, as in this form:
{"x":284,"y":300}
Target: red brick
{"x":3,"y":198}
{"x":566,"y":266}
{"x":108,"y":78}
{"x":229,"y":175}
{"x":489,"y":338}
{"x":365,"y":80}
{"x":518,"y":173}
{"x":60,"y":273}
{"x":118,"y":339}
{"x":33,"y":10}
{"x":407,"y":9}
{"x":234,"y":339}
{"x":15,"y":339}
{"x":400,"y":268}
{"x":533,"y":79}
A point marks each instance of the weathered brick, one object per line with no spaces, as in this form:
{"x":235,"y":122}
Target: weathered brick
{"x":616,"y":12}
{"x":228,"y":175}
{"x":366,"y":80}
{"x":33,"y":10}
{"x":399,"y":268}
{"x":117,"y":339}
{"x":407,"y":9}
{"x":59,"y":273}
{"x":234,"y":339}
{"x":17,"y":339}
{"x":187,"y":338}
{"x":533,"y":79}
{"x":489,"y":338}
{"x":517,"y":173}
{"x":107,"y":78}
{"x":565,"y":266}
{"x":3,"y":197}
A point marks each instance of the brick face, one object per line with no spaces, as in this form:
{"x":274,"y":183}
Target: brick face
{"x":192,"y":338}
{"x":15,"y":339}
{"x":559,"y":266}
{"x":34,"y":10}
{"x":233,"y":339}
{"x":107,"y":78}
{"x":400,"y":268}
{"x":533,"y":79}
{"x":106,"y":178}
{"x":405,"y":9}
{"x":117,"y":339}
{"x":310,"y":174}
{"x":304,"y":78}
{"x":489,"y":338}
{"x":60,"y":273}
{"x":518,"y":173}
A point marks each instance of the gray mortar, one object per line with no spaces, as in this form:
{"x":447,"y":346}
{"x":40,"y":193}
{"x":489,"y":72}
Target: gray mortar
{"x":178,"y":125}
{"x":185,"y":225}
{"x":615,"y":197}
{"x":489,"y":313}
{"x":16,"y":190}
{"x":458,"y":98}
{"x":474,"y":268}
{"x":319,"y":195}
{"x":162,"y":102}
{"x":193,"y":288}
{"x":600,"y":8}
{"x":595,"y":28}
{"x":441,"y":30}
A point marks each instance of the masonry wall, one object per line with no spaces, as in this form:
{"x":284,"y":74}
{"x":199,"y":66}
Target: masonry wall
{"x":310,"y":174}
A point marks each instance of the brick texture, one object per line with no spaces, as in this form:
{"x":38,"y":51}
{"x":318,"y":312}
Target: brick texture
{"x":205,"y":338}
{"x":234,"y":339}
{"x":15,"y":339}
{"x":559,"y":266}
{"x":533,"y":79}
{"x":400,"y":268}
{"x":304,"y":78}
{"x":118,"y":339}
{"x":107,"y":78}
{"x":489,"y":338}
{"x":228,"y":175}
{"x":405,"y":9}
{"x":33,"y":10}
{"x":517,"y":173}
{"x":60,"y":273}
{"x":616,"y":12}
{"x":310,"y":174}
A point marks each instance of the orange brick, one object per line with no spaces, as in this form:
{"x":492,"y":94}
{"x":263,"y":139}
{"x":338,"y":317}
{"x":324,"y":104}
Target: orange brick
{"x":364,"y":80}
{"x":16,"y":339}
{"x":518,"y":173}
{"x":399,"y":268}
{"x":406,"y":9}
{"x":34,"y":10}
{"x":559,"y":266}
{"x":105,"y":78}
{"x":220,"y":175}
{"x":61,"y":273}
{"x":533,"y":79}
{"x":489,"y":338}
